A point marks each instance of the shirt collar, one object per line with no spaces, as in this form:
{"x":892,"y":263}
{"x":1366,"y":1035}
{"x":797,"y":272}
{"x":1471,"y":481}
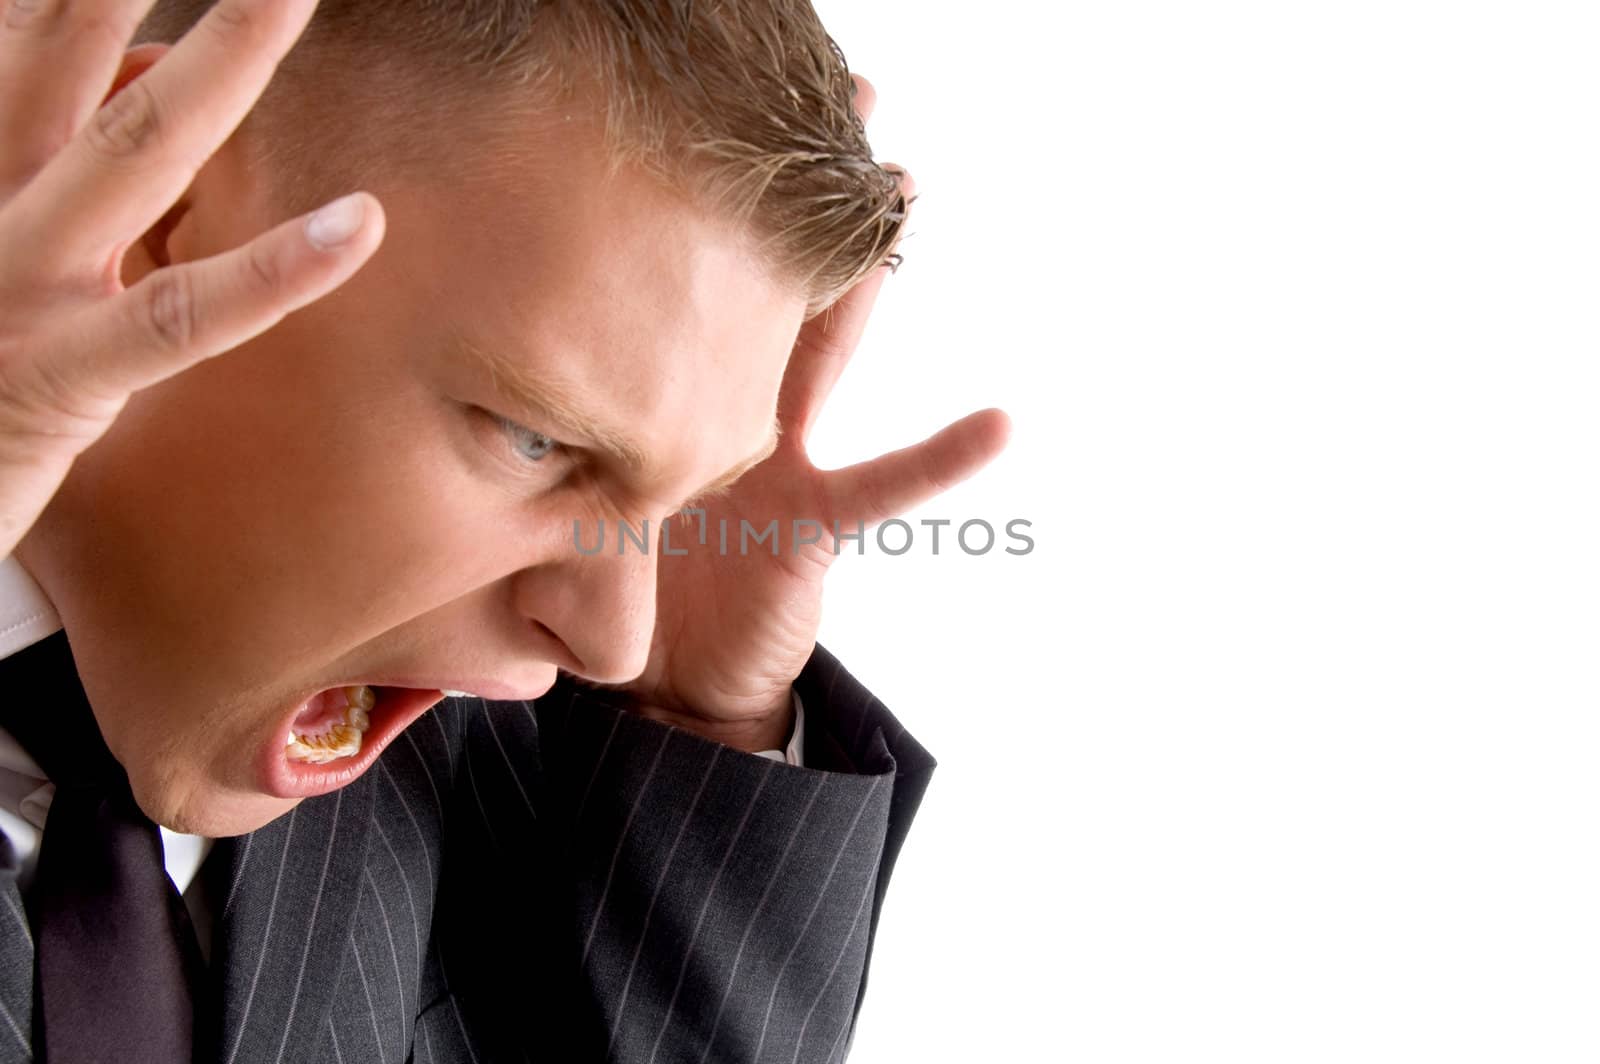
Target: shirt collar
{"x":26,"y":615}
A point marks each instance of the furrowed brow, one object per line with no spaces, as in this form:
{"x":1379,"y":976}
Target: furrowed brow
{"x":727,"y":479}
{"x":551,"y":404}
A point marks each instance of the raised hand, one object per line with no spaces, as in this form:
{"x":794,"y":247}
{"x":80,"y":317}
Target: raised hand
{"x":82,"y":178}
{"x":734,"y":630}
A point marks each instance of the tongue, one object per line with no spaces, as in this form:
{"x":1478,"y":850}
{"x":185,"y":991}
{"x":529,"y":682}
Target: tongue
{"x":320,"y":713}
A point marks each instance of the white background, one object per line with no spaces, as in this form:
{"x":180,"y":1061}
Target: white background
{"x":1282,"y":744}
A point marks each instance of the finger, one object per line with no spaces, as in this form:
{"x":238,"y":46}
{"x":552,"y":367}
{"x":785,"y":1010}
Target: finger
{"x":872,"y":492}
{"x":821,"y":352}
{"x":138,"y":153}
{"x":57,"y":60}
{"x":181,"y":315}
{"x":826,"y":343}
{"x":866,"y":97}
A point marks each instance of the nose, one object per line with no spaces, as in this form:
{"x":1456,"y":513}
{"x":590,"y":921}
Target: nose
{"x":602,"y":605}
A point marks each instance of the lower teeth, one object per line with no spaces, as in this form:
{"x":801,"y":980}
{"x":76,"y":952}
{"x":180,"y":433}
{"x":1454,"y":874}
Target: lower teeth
{"x":343,"y":739}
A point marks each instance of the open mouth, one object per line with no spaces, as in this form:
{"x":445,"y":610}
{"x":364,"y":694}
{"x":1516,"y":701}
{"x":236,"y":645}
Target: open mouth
{"x":336,"y":735}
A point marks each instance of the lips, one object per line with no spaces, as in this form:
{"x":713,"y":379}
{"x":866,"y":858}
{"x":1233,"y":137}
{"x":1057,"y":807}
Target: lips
{"x":394,"y":710}
{"x":400,"y":700}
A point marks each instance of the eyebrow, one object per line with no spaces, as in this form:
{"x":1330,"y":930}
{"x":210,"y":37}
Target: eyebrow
{"x":727,"y":479}
{"x":552,"y":403}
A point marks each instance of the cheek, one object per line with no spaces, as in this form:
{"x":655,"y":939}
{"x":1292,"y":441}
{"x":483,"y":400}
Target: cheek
{"x":267,"y":529}
{"x":369,"y":525}
{"x":274,"y":524}
{"x":380,"y":522}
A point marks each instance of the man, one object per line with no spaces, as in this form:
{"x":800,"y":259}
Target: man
{"x":626,"y":250}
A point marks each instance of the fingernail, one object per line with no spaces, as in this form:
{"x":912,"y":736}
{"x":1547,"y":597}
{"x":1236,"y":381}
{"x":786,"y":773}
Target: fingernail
{"x":336,"y":223}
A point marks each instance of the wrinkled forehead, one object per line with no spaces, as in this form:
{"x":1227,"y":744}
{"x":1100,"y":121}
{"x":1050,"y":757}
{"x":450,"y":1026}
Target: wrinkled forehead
{"x":647,"y":312}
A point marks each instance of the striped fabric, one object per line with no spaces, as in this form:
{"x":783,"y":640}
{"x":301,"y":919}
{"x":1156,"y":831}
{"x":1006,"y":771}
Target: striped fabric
{"x":16,"y":963}
{"x":559,"y":881}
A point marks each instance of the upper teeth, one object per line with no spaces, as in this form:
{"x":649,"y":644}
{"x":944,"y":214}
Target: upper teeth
{"x":341,"y":740}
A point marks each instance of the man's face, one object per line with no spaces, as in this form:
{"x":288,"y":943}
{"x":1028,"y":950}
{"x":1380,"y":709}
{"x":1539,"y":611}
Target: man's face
{"x":342,"y":500}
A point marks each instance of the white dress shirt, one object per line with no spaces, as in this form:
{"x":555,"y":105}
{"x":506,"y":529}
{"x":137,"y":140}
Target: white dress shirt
{"x":26,"y":617}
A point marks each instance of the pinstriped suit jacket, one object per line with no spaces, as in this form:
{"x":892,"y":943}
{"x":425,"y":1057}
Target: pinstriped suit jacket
{"x":559,"y":881}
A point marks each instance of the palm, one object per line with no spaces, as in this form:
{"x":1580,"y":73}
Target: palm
{"x":735,"y":627}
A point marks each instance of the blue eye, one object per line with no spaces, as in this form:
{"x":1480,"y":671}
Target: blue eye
{"x":529,"y":445}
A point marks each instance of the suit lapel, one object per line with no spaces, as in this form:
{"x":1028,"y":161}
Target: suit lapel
{"x":285,"y":907}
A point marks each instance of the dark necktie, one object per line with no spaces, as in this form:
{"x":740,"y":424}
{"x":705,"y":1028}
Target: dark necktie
{"x":116,"y":960}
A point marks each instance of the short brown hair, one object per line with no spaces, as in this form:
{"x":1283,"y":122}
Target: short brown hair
{"x":746,"y":105}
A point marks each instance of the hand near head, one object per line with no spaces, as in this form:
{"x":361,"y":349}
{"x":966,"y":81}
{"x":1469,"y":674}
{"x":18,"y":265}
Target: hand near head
{"x":735,"y":628}
{"x":83,"y":177}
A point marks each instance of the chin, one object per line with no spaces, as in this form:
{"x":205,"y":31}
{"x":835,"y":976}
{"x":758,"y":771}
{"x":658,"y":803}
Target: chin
{"x":218,"y":785}
{"x":208,"y":809}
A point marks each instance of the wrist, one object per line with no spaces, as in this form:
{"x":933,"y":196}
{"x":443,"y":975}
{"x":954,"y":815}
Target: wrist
{"x":769,"y":730}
